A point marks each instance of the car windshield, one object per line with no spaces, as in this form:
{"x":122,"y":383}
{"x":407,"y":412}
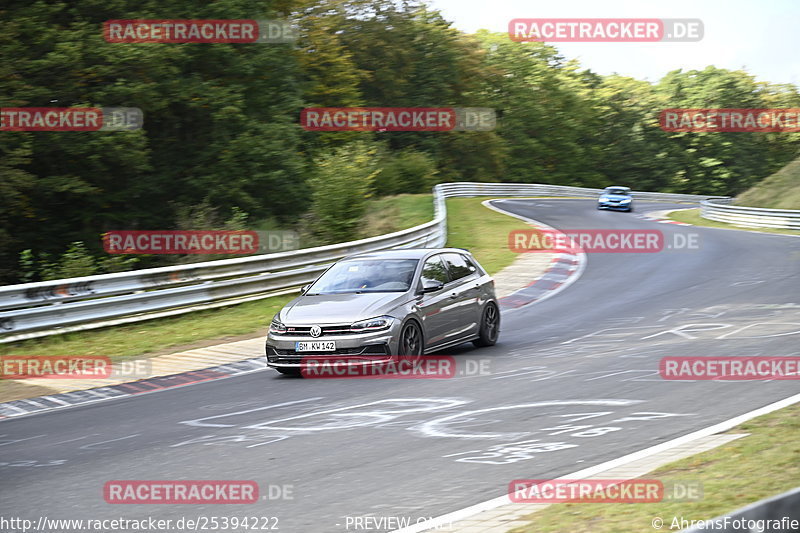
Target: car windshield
{"x":623,"y":192}
{"x":366,"y":275}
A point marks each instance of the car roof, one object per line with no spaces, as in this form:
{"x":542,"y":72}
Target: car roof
{"x":405,"y":253}
{"x":618,"y":187}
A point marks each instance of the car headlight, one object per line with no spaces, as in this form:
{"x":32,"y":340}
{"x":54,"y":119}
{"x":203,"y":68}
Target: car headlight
{"x":626,"y":201}
{"x":372,"y":324}
{"x":277,"y":327}
{"x":603,"y":199}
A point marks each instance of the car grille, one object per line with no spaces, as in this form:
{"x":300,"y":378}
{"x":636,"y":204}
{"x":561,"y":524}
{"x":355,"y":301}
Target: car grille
{"x":338,"y":329}
{"x":278,"y":355}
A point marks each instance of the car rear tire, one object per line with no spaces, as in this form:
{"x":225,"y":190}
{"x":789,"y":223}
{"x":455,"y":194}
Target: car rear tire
{"x":490,"y":326}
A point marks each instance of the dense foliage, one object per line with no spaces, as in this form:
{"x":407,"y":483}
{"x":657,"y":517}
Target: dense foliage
{"x":221,"y":122}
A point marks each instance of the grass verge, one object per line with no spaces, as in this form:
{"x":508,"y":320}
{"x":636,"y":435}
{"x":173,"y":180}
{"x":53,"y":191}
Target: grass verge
{"x":778,"y":191}
{"x":761,"y":465}
{"x":393,"y":213}
{"x":482,"y":231}
{"x":692,"y":216}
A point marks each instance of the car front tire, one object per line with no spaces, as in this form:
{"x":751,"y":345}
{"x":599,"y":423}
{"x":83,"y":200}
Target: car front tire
{"x":490,"y":326}
{"x":411,"y":340}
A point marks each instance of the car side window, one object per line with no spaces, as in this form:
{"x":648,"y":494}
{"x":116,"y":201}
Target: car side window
{"x":473,"y":266}
{"x":457,"y":265}
{"x":434,"y":270}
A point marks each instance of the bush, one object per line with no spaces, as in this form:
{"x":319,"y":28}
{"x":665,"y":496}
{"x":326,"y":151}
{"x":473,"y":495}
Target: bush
{"x":408,"y":171}
{"x":77,"y":261}
{"x":340,"y":186}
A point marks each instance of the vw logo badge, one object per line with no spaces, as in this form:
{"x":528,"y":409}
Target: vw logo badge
{"x":316,"y":331}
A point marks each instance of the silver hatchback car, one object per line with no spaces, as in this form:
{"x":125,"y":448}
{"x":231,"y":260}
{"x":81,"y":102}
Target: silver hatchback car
{"x":373,"y":306}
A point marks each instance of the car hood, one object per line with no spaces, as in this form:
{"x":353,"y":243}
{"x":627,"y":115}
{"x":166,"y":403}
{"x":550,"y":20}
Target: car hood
{"x":340,"y":308}
{"x":615,"y":197}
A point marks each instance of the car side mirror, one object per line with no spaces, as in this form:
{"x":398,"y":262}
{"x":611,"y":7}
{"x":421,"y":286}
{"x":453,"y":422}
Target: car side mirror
{"x":305,"y":288}
{"x":431,"y":286}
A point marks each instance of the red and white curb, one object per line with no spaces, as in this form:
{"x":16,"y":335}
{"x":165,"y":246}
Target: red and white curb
{"x":561,"y":270}
{"x":564,"y":270}
{"x":17,"y":408}
{"x":658,"y":216}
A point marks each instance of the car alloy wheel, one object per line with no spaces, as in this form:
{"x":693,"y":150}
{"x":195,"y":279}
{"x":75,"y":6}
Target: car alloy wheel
{"x":490,"y":326}
{"x":410,"y":339}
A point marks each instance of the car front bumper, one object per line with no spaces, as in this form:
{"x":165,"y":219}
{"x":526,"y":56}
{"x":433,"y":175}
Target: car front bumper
{"x":620,"y":207}
{"x":356,"y":349}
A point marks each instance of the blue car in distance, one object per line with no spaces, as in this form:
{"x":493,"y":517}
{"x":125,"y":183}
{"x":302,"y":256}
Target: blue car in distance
{"x":617,"y":198}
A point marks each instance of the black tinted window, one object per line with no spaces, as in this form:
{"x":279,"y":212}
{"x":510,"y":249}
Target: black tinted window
{"x":434,"y":270}
{"x":366,"y":275}
{"x":457,"y":265}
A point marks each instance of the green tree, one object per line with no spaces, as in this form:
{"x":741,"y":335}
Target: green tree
{"x":715,"y":162}
{"x":340,"y":187}
{"x":405,"y":171}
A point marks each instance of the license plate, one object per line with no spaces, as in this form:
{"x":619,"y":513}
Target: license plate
{"x":315,"y":346}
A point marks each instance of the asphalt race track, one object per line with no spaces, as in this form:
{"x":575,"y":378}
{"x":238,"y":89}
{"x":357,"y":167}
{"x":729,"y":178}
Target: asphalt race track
{"x":573,"y":382}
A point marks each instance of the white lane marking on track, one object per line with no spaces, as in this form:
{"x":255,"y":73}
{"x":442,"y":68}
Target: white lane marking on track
{"x":73,"y":440}
{"x":199,"y":421}
{"x":360,"y":419}
{"x":211,"y":440}
{"x":348,"y":417}
{"x":547,"y":374}
{"x":438,"y":426}
{"x":5,"y":443}
{"x":90,"y":446}
{"x":681,"y":330}
{"x":274,"y":439}
{"x":763,"y":336}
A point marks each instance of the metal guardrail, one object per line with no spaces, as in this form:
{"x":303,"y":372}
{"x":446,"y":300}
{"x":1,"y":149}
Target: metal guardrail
{"x":750,"y":217}
{"x":774,"y":514}
{"x":47,"y":308}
